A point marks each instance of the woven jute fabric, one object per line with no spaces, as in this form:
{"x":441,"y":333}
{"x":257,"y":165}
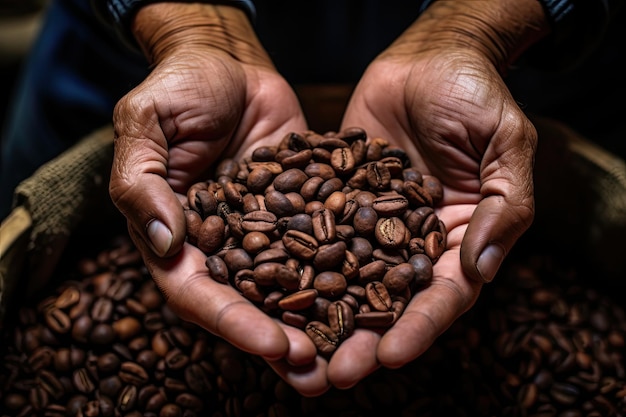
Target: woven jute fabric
{"x":59,"y":197}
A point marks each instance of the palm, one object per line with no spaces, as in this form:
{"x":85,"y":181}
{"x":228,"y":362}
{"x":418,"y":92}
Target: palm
{"x":458,"y":128}
{"x":186,"y":116}
{"x":209,"y":108}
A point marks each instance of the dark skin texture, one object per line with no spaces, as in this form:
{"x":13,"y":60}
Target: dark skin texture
{"x":437,"y":92}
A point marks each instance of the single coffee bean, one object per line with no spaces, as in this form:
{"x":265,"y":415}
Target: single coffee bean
{"x":133,"y":373}
{"x":297,"y":160}
{"x":390,"y":205}
{"x":398,"y":278}
{"x":238,"y":259}
{"x":323,"y":223}
{"x":378,"y":296}
{"x":300,"y":244}
{"x":423,"y":267}
{"x":374,"y":319}
{"x":378,"y":176}
{"x":341,"y":319}
{"x":330,"y":284}
{"x":417,"y":195}
{"x":82,"y":381}
{"x":434,"y":245}
{"x":217,"y":269}
{"x":301,"y":222}
{"x":211,"y":234}
{"x":373,"y":271}
{"x":391,"y":233}
{"x":58,"y":321}
{"x":330,"y":256}
{"x":322,"y":335}
{"x":259,"y":221}
{"x":290,"y":180}
{"x":365,"y":220}
{"x":298,"y":300}
{"x":342,"y":160}
{"x":68,"y":298}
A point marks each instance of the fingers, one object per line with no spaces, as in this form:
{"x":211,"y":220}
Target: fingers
{"x":218,"y":308}
{"x":507,"y":207}
{"x":309,"y":380}
{"x":354,"y":360}
{"x":139,"y":190}
{"x":430,"y":312}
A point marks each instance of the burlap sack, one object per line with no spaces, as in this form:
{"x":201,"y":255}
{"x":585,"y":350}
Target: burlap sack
{"x":66,"y":196}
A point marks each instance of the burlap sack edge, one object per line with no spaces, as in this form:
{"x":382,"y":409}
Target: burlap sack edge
{"x":48,"y":207}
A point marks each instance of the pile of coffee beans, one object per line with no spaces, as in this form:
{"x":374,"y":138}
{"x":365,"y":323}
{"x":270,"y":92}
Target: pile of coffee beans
{"x":541,"y":341}
{"x":327,"y":232}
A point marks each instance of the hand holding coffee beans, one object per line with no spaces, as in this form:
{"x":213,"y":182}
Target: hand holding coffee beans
{"x":327,"y":232}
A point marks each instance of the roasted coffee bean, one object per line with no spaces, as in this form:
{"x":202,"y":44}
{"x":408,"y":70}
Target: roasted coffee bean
{"x":330,"y":256}
{"x":82,"y":381}
{"x":391,"y":233}
{"x":342,"y":160}
{"x":378,"y":176}
{"x":211,"y":234}
{"x":300,"y":244}
{"x":365,"y":220}
{"x":301,"y":222}
{"x":390,"y":205}
{"x":417,"y":195}
{"x":217,"y":269}
{"x":322,"y":335}
{"x":341,"y":319}
{"x":298,"y":300}
{"x":398,"y":278}
{"x":374,"y":319}
{"x":378,"y":296}
{"x":259,"y":221}
{"x":238,"y":259}
{"x":423,"y":267}
{"x":323,"y":224}
{"x":434,"y":245}
{"x":133,"y":373}
{"x":68,"y":298}
{"x":290,"y":180}
{"x":58,"y":320}
{"x":330,"y":284}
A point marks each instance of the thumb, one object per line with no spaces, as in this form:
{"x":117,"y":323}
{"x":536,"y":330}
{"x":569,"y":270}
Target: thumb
{"x":505,"y":212}
{"x":140,"y":191}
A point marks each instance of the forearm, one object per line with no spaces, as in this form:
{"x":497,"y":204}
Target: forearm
{"x":501,"y":30}
{"x":161,"y":27}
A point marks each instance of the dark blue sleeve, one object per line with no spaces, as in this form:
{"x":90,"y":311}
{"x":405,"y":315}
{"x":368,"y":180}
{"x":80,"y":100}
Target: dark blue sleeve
{"x":578,"y":27}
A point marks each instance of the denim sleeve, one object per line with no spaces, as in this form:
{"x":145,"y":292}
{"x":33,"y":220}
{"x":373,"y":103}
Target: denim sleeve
{"x":118,"y":14}
{"x":578,"y":28}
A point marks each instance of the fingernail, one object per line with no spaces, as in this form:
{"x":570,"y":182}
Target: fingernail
{"x":489,"y":262}
{"x":160,"y":237}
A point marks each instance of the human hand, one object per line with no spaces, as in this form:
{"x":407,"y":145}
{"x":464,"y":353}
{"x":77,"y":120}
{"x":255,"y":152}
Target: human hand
{"x":437,"y":93}
{"x":212,"y":93}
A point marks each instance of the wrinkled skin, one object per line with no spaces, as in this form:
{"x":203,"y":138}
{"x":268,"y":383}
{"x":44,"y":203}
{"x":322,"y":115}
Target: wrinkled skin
{"x":163,"y":146}
{"x":457,"y":120}
{"x":447,"y":107}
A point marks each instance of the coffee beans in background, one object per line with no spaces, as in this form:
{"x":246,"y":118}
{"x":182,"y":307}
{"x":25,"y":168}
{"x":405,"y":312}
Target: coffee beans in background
{"x":308,"y":204}
{"x":541,"y":341}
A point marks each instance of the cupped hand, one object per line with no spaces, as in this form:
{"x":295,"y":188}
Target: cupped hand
{"x":200,"y":105}
{"x":452,"y":113}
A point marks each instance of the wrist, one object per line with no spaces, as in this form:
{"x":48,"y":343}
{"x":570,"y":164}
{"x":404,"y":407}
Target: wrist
{"x":163,"y":28}
{"x":500,"y":30}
